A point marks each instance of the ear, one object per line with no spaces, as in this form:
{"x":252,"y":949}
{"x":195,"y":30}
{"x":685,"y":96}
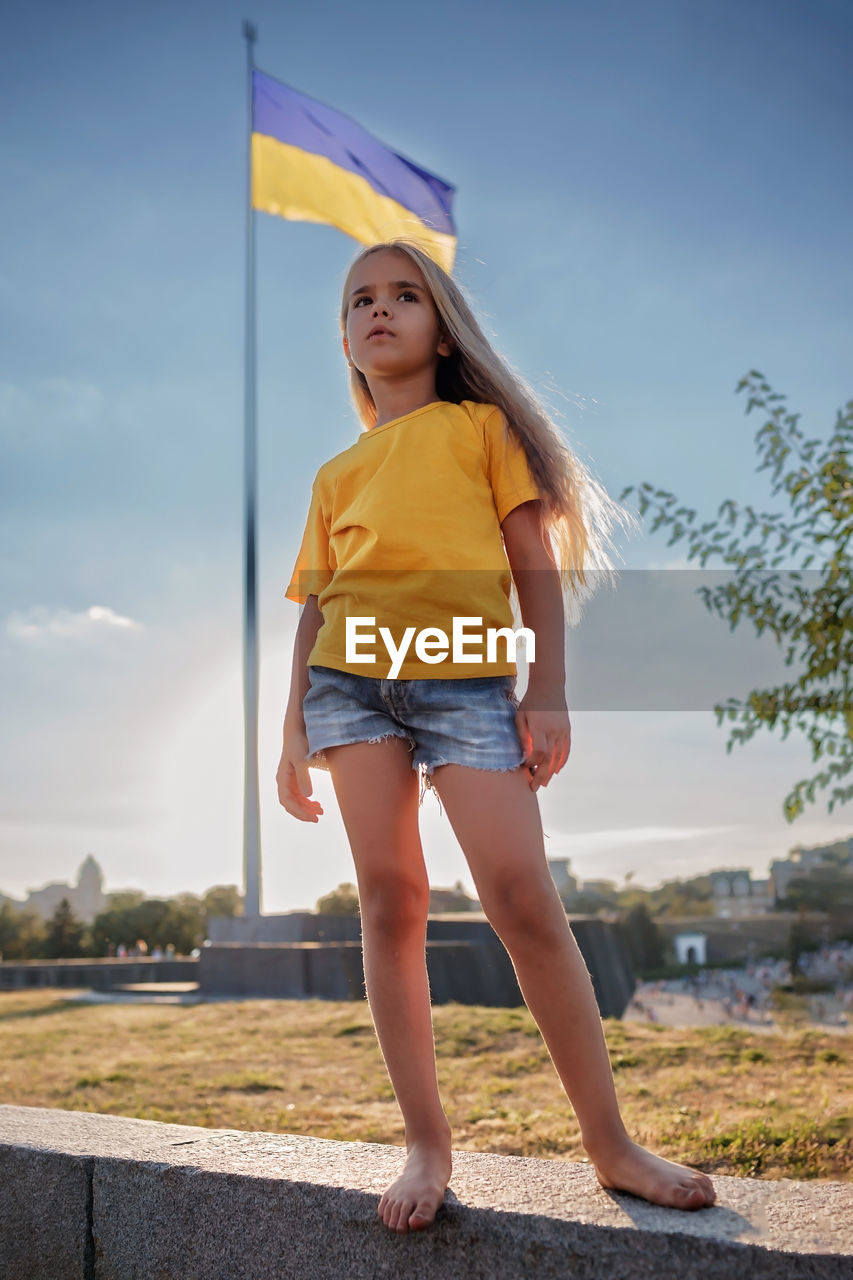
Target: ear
{"x":446,"y":345}
{"x":347,"y":354}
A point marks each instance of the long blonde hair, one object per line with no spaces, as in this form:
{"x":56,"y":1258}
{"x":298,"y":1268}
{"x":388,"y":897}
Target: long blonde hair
{"x":577,"y":514}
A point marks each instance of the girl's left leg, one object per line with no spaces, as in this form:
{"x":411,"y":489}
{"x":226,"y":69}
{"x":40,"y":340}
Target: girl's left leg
{"x":378,"y":795}
{"x":496,"y":819}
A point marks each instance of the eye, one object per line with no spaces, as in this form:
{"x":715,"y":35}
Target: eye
{"x":409,"y":295}
{"x":360,"y":299}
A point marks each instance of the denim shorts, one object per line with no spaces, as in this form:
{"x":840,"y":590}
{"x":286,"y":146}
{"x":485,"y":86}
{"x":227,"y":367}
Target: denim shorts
{"x":465,"y":721}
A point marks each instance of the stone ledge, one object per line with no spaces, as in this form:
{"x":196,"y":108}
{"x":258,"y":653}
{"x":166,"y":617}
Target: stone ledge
{"x":96,"y":1197}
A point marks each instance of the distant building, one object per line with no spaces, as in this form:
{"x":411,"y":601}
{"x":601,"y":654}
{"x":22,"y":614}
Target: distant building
{"x":735,"y":893}
{"x":838,"y":854}
{"x":455,"y":899}
{"x":566,"y":883}
{"x":87,"y":897}
{"x":602,"y":888}
{"x":691,"y":948}
{"x":804,"y":862}
{"x":782,"y":872}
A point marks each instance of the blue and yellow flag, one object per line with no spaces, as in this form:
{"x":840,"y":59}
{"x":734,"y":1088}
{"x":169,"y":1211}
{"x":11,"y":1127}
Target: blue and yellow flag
{"x":313,"y":164}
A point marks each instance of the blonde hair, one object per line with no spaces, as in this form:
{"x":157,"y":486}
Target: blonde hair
{"x":576,"y":512}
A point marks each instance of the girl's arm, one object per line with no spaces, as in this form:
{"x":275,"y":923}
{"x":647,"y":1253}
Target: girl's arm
{"x":293,"y":777}
{"x":543,"y":719}
{"x":306,"y":636}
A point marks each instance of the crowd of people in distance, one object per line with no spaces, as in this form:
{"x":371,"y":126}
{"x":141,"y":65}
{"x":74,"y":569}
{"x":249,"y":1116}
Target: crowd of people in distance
{"x":745,"y":994}
{"x":140,"y":948}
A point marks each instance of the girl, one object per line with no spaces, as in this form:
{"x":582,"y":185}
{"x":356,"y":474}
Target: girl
{"x":458,"y":479}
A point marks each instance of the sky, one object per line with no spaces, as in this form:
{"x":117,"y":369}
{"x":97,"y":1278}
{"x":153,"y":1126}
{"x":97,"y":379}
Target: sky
{"x":652,"y":199}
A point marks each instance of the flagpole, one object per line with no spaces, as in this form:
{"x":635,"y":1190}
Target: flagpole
{"x":251,"y":798}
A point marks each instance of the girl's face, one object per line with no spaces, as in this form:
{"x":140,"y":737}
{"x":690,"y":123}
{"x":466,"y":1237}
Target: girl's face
{"x":393,"y":329}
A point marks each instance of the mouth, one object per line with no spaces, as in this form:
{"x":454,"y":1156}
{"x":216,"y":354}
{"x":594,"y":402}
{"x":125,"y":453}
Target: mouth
{"x":380,"y":332}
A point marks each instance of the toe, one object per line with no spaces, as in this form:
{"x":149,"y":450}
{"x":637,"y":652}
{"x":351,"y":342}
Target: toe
{"x":392,"y":1214}
{"x":401,"y":1218}
{"x":691,"y":1197}
{"x":422,"y":1216}
{"x":705,"y":1187}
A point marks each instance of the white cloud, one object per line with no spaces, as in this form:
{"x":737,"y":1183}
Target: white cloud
{"x":42,"y":623}
{"x":622,"y":838}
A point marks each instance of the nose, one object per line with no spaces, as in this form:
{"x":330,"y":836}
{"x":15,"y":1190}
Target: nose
{"x":381,"y":309}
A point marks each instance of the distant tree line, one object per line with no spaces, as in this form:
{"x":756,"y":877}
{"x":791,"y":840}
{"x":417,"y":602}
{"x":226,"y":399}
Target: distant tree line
{"x":179,"y":922}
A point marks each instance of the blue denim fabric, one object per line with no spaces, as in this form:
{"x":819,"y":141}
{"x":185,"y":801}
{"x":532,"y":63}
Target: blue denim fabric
{"x":464,"y":721}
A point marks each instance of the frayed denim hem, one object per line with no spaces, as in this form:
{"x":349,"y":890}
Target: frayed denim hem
{"x":424,"y":770}
{"x":426,"y":778}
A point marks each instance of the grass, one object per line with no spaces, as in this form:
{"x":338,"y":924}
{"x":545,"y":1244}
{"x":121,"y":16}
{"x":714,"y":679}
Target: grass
{"x":723,"y":1099}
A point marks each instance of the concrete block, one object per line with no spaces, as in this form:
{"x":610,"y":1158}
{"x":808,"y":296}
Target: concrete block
{"x":288,"y":926}
{"x":335,"y":971}
{"x":173,"y":1202}
{"x":45,"y":1212}
{"x":472,"y":973}
{"x":466,"y":971}
{"x":273,"y":970}
{"x":484,"y":977}
{"x":602,"y":946}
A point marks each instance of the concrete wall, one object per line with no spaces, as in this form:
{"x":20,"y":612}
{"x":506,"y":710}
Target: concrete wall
{"x":466,"y":972}
{"x":739,"y":940}
{"x":466,"y":963}
{"x":100,"y":975}
{"x":91,"y":1197}
{"x":289,"y":926}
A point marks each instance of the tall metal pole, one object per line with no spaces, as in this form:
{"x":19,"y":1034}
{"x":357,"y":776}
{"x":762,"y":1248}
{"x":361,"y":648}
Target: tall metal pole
{"x":251,"y":798}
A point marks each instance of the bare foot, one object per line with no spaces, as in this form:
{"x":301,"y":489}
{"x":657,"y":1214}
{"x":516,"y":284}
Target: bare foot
{"x":661,"y":1181}
{"x":412,"y":1200}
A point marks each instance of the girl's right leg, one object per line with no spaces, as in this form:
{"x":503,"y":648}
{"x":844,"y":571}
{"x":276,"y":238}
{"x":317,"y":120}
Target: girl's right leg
{"x":377,"y":790}
{"x":496,"y":819}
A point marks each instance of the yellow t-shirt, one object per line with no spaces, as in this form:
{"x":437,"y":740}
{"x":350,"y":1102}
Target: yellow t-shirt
{"x":403,"y":533}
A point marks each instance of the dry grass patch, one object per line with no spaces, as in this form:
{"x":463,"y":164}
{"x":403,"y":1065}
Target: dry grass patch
{"x":722,"y":1098}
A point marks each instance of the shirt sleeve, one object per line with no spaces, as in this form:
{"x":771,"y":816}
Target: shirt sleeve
{"x":312,"y":571}
{"x":508,"y":469}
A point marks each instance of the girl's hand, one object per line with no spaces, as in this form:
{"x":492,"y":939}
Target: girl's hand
{"x":293,"y":779}
{"x":546,"y":740}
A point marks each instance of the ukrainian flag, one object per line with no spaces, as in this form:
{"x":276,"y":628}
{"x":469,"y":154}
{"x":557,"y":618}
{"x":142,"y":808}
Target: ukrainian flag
{"x":313,"y":164}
